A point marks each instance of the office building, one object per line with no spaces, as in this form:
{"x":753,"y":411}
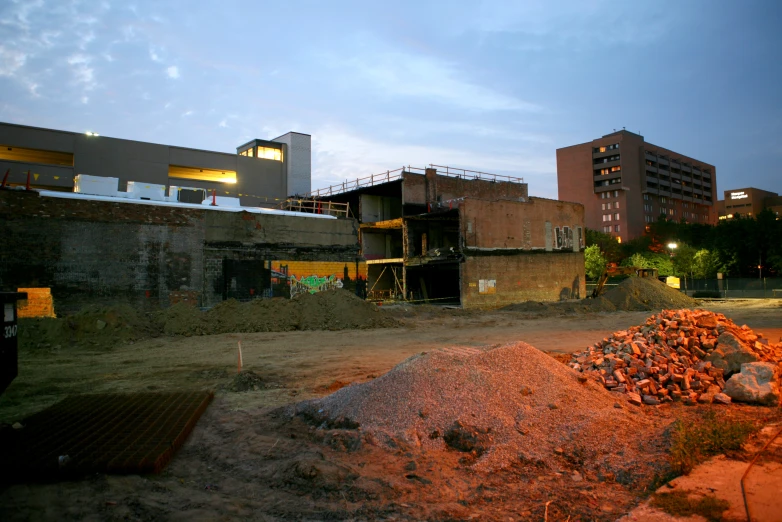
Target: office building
{"x":748,"y":202}
{"x":259,"y":173}
{"x":626,"y":183}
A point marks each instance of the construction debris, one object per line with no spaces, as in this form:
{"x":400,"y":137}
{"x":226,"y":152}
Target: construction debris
{"x":684,"y":355}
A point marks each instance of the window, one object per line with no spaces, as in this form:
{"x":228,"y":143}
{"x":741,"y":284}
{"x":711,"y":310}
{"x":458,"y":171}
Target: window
{"x":222,"y":176}
{"x":616,"y":193}
{"x":243,"y":153}
{"x":648,"y":208}
{"x":270,"y":153}
{"x":614,"y":182}
{"x":603,"y":206}
{"x":606,"y":217}
{"x":47,"y":157}
{"x":616,"y":169}
{"x":670,"y":211}
{"x":616,"y":216}
{"x":616,"y":228}
{"x":603,"y":172}
{"x":663,"y":201}
{"x":616,"y":204}
{"x":606,"y":148}
{"x":647,"y":197}
{"x":648,"y":219}
{"x":607,"y":229}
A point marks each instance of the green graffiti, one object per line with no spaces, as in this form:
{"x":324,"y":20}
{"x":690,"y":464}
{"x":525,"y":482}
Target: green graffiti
{"x":312,"y":284}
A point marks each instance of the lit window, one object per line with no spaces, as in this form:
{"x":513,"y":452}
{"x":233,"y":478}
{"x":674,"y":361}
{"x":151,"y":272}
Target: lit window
{"x":48,"y":157}
{"x":670,"y":211}
{"x":222,"y":176}
{"x":616,"y":193}
{"x":616,"y":216}
{"x":251,"y":153}
{"x":270,"y":153}
{"x":616,"y":169}
{"x":616,"y":204}
{"x":663,"y":200}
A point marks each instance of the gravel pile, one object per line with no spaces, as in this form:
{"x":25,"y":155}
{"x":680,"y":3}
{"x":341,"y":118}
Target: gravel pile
{"x":504,"y":405}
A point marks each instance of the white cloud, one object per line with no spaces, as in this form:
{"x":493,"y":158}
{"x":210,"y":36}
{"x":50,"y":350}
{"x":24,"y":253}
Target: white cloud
{"x":11,"y":61}
{"x":154,"y":56}
{"x":82,"y":72}
{"x":187,"y":113}
{"x":223,"y":124}
{"x":173,"y":72}
{"x":399,"y":74}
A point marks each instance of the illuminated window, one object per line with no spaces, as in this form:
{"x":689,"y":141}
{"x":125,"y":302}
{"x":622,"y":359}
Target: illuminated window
{"x":616,"y":193}
{"x":616,"y":204}
{"x":243,"y":153}
{"x":615,"y":169}
{"x":616,"y":216}
{"x":251,"y":153}
{"x":270,"y":153}
{"x":48,"y":157}
{"x":606,"y":217}
{"x":221,"y":176}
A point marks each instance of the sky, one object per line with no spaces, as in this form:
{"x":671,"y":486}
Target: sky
{"x":494,"y":86}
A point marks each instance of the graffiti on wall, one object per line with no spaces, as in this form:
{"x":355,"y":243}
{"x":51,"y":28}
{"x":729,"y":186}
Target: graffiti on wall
{"x":312,"y":284}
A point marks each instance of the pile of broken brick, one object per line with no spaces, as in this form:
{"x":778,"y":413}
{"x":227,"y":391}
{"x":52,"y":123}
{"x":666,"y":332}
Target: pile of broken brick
{"x":691,"y":356}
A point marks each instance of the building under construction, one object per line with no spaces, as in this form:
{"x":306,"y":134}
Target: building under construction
{"x":471,"y":238}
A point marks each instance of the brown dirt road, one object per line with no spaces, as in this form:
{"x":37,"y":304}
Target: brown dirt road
{"x":227,"y":469}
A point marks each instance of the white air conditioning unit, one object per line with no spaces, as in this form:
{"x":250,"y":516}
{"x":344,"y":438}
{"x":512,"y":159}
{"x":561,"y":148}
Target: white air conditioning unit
{"x":95,"y":185}
{"x":148,"y":191}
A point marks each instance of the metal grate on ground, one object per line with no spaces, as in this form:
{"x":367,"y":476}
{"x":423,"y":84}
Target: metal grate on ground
{"x":110,"y":433}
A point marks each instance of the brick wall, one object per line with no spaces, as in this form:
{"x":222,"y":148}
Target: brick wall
{"x":95,"y":252}
{"x":446,"y":187}
{"x":539,"y":276}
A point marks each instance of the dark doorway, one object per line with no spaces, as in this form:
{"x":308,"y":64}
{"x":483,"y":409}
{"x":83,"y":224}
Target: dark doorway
{"x":245,"y":280}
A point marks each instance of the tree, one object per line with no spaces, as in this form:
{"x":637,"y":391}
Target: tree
{"x":607,"y":243}
{"x":705,"y":264}
{"x":594,"y":261}
{"x":662,"y":262}
{"x":683,"y":261}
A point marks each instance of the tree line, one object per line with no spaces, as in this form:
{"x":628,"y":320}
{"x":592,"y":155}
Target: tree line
{"x":742,"y":247}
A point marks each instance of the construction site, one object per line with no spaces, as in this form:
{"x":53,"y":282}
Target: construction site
{"x":414,"y":345}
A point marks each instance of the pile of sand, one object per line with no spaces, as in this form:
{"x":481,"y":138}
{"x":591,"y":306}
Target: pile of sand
{"x":642,"y":294}
{"x":329,"y":310}
{"x":508,"y":404}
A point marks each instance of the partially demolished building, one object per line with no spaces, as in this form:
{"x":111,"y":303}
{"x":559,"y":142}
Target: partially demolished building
{"x":456,"y":236}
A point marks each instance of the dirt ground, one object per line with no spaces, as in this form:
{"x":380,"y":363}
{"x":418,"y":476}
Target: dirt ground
{"x":245,"y":460}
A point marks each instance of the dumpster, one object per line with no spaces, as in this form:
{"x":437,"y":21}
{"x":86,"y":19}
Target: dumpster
{"x":9,"y":361}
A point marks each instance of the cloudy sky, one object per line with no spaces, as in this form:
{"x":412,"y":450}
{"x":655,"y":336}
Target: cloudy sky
{"x":492,"y":86}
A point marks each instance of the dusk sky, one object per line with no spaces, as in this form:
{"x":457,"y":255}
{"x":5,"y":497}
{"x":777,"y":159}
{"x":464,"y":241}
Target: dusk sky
{"x":491,"y":86}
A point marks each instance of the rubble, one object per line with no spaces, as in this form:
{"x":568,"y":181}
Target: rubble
{"x":687,"y":356}
{"x":758,"y":382}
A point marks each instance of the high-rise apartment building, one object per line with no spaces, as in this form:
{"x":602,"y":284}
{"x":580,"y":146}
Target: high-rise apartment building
{"x":626,"y":183}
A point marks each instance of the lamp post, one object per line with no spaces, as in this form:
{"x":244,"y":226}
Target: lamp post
{"x":672,"y":246}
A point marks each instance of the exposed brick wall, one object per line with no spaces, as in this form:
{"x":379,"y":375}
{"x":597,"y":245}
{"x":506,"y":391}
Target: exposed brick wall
{"x":513,"y":224}
{"x":542,"y":276}
{"x":446,"y":187}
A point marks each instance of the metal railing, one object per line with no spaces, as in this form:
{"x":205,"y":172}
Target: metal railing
{"x":316,"y":206}
{"x":393,"y":175}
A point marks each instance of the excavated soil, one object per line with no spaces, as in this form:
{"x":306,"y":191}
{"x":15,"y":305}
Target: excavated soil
{"x":106,"y":327}
{"x":634,"y":294}
{"x":329,"y":310}
{"x":502,"y":406}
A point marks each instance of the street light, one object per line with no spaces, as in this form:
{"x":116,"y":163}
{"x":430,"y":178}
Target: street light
{"x":672,"y":246}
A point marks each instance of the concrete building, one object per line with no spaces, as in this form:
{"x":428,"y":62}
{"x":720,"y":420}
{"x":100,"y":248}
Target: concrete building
{"x":748,"y":202}
{"x":454,"y":236}
{"x":626,"y":183}
{"x":260,"y":173}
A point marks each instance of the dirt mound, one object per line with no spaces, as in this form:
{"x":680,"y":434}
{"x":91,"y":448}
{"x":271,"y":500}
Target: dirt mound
{"x":508,"y":403}
{"x":675,"y":355}
{"x":640,"y":294}
{"x":245,"y":381}
{"x":329,"y":310}
{"x":100,"y":326}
